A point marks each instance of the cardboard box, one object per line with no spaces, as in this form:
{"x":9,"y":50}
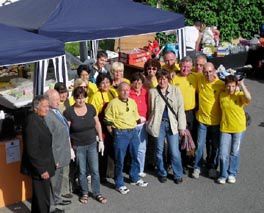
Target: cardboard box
{"x":134,"y":54}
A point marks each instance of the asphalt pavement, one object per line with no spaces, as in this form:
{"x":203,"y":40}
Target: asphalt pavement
{"x":193,"y":195}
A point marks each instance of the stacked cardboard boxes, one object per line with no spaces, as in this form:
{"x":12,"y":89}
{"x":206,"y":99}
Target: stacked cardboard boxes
{"x":134,"y":56}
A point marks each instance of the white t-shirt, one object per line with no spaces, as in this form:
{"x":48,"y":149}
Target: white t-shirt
{"x":191,"y":36}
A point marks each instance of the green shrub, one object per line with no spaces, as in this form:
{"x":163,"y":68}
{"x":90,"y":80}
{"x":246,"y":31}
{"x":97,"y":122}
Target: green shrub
{"x":234,"y":18}
{"x":73,"y":48}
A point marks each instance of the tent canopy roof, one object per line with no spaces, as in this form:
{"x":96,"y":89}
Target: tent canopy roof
{"x":19,"y":46}
{"x":77,"y":20}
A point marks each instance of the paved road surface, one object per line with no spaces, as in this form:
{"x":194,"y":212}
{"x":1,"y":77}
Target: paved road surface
{"x":197,"y":196}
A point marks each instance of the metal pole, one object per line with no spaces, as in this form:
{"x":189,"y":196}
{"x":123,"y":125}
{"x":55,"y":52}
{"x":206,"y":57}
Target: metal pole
{"x":83,"y":51}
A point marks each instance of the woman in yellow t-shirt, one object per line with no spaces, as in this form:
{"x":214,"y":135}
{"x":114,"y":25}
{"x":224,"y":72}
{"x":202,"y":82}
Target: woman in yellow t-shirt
{"x":100,"y":100}
{"x":232,"y":127}
{"x":117,"y":72}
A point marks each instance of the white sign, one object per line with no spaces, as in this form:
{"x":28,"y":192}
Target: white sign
{"x":12,"y":151}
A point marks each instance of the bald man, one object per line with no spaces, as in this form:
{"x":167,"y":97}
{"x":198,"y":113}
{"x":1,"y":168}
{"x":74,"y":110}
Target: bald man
{"x":208,"y":117}
{"x":121,"y":116}
{"x":59,"y":129}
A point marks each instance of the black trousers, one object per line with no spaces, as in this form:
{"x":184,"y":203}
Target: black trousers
{"x":40,"y":196}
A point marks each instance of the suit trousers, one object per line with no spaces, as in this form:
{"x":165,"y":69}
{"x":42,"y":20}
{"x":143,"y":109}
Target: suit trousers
{"x":40,"y":196}
{"x":56,"y":184}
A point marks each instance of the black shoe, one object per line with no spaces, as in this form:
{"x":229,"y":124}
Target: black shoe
{"x":64,"y":202}
{"x":178,"y":181}
{"x":69,"y":196}
{"x":162,"y":179}
{"x":58,"y":211}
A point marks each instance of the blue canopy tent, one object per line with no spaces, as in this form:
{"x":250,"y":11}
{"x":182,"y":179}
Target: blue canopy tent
{"x":18,"y":46}
{"x":80,"y":20}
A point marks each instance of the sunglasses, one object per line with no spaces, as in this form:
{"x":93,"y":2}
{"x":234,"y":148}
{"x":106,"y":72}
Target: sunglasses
{"x":127,"y":107}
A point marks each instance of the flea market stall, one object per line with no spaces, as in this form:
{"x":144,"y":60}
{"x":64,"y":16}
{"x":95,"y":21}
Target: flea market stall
{"x":78,"y":20}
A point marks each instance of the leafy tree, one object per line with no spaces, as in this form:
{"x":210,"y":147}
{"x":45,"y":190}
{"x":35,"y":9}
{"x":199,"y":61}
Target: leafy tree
{"x":233,"y":17}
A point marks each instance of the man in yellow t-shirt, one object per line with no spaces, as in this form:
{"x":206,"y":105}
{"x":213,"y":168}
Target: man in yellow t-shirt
{"x":121,"y":117}
{"x":232,"y":127}
{"x":199,"y":63}
{"x":208,"y":117}
{"x":171,"y":65}
{"x":186,"y":81}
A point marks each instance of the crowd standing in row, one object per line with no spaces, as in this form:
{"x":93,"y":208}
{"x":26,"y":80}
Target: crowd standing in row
{"x":108,"y":115}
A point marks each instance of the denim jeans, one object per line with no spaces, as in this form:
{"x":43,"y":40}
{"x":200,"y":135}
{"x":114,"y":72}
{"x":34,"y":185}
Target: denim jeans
{"x":175,"y":155}
{"x":229,"y":153}
{"x":87,"y":157}
{"x":124,"y":139}
{"x":143,"y":137}
{"x":202,"y":132}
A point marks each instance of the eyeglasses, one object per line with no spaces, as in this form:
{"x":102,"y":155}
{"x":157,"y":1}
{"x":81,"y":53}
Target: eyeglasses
{"x":127,"y":108}
{"x":152,"y":68}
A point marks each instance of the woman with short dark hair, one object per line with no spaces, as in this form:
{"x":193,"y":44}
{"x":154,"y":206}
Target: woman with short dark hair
{"x":167,"y":120}
{"x":232,"y":127}
{"x":84,"y":126}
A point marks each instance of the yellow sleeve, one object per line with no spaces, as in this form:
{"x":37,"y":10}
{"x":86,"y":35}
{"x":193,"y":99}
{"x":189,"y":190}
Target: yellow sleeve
{"x":109,"y":113}
{"x":71,"y":101}
{"x":91,"y":89}
{"x":96,"y":102}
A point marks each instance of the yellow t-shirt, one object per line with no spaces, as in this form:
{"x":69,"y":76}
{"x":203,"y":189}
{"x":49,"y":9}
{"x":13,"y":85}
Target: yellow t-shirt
{"x":122,"y":115}
{"x":99,"y":99}
{"x":209,"y":107}
{"x":91,"y":89}
{"x":187,"y":85}
{"x":233,"y":114}
{"x":115,"y":89}
{"x":175,"y":68}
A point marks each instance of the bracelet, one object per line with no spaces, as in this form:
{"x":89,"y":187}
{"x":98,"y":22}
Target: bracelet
{"x":100,"y":141}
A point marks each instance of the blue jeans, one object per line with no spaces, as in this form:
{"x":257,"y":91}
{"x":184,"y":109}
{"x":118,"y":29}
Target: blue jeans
{"x":175,"y":155}
{"x":124,"y":139}
{"x":87,"y":157}
{"x":143,"y":136}
{"x":202,"y":132}
{"x":229,"y":153}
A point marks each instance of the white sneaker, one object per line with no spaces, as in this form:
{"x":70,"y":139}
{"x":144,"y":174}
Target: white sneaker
{"x":123,"y":190}
{"x":231,"y":179}
{"x":196,"y":173}
{"x":142,"y":174}
{"x":140,"y":183}
{"x":221,"y":180}
{"x":212,"y":173}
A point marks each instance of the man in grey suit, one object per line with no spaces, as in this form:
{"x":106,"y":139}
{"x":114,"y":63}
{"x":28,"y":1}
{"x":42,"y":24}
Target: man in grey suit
{"x":61,"y":147}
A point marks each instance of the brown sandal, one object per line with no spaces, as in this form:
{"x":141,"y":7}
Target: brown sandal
{"x":84,"y":199}
{"x":101,"y":199}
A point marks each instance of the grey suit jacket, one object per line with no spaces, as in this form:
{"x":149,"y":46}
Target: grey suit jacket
{"x":60,"y":139}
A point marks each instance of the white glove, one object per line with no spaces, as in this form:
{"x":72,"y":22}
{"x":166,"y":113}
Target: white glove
{"x":72,"y":154}
{"x":101,"y":147}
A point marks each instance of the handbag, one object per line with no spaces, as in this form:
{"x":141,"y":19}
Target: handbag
{"x":166,"y":101}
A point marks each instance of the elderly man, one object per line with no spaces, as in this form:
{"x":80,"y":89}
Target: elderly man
{"x":208,"y":116}
{"x":39,"y":160}
{"x":121,"y":117}
{"x":187,"y":82}
{"x":171,"y":65}
{"x":200,"y":61}
{"x":61,"y":148}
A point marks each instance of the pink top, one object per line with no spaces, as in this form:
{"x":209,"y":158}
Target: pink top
{"x":141,"y":100}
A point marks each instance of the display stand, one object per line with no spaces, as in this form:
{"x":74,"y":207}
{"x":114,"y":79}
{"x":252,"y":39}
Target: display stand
{"x":14,"y":186}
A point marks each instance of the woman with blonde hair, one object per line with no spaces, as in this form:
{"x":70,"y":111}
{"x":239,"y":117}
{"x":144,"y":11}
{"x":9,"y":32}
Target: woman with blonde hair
{"x":117,"y":72}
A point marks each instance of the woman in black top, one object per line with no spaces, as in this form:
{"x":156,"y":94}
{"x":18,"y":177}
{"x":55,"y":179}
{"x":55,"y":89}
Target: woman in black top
{"x":84,"y":126}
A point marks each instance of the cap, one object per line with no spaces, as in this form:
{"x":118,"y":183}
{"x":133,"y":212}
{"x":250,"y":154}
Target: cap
{"x":60,"y":87}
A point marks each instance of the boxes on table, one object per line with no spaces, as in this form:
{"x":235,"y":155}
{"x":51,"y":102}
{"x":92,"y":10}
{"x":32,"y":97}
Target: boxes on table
{"x":134,"y":56}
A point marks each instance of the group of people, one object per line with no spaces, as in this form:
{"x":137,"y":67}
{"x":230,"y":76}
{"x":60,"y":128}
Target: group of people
{"x":108,"y":116}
